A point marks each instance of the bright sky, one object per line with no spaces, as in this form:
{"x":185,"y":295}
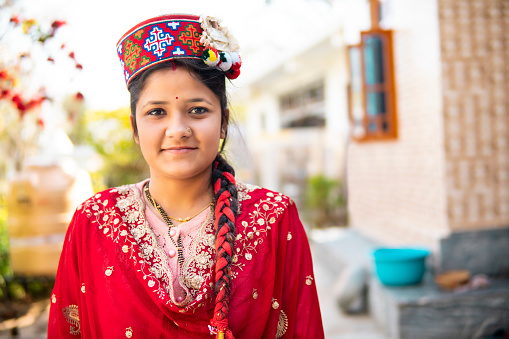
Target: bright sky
{"x":94,"y":27}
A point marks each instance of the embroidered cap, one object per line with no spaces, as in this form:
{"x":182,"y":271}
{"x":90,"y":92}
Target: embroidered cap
{"x":175,"y":36}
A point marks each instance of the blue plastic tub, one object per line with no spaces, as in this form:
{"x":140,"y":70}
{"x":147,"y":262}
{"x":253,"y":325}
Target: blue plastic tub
{"x":400,"y":266}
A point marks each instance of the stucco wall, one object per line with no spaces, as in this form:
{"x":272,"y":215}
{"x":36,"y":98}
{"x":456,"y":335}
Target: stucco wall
{"x":397,"y":188}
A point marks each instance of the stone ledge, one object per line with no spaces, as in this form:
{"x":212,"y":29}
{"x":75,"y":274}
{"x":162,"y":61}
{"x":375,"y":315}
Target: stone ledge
{"x":424,"y":311}
{"x":482,"y":251}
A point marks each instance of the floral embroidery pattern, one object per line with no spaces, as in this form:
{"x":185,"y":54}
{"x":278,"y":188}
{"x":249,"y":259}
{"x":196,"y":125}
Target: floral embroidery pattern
{"x":72,"y":316}
{"x":100,"y":212}
{"x":254,"y":229}
{"x":243,"y":191}
{"x":128,"y":332}
{"x":197,"y":267}
{"x":275,"y":304}
{"x":282,"y":324}
{"x":124,"y":223}
{"x":109,"y":271}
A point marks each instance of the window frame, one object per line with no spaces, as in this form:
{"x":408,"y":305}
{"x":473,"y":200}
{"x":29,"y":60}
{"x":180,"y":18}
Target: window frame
{"x":388,"y":87}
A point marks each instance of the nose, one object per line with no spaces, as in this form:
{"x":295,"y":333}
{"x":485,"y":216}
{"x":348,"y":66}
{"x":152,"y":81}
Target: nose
{"x":176,"y":127}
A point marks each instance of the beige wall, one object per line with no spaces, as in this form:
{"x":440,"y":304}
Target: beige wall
{"x":397,"y":188}
{"x":475,"y":80}
{"x":448,"y":170}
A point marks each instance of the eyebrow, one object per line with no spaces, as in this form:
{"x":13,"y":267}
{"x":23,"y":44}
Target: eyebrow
{"x":199,"y":100}
{"x":163,"y":102}
{"x":154,"y":103}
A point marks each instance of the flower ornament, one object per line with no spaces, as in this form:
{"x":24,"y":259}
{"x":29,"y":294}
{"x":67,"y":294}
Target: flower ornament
{"x":221,"y":48}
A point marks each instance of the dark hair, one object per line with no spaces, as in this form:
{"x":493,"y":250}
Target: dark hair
{"x":222,"y":181}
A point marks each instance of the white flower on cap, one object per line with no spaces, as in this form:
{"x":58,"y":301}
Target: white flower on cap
{"x":216,"y":36}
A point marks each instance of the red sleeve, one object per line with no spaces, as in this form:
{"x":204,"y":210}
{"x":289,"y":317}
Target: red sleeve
{"x":65,"y":299}
{"x":300,"y":298}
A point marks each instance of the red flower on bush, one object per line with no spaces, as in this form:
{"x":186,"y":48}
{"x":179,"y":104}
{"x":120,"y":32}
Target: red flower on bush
{"x":57,"y":24}
{"x":5,"y":93}
{"x":15,"y":19}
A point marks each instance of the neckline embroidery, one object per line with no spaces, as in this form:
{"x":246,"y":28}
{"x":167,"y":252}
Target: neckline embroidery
{"x":196,"y":275}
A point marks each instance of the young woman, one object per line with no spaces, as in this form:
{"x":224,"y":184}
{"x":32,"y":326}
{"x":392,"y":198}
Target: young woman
{"x":190,"y":252}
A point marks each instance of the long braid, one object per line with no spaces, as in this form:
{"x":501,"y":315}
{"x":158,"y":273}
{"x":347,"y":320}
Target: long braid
{"x":225,"y":191}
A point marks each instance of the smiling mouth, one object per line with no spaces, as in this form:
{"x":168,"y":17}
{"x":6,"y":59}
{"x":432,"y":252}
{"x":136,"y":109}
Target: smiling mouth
{"x":179,"y":149}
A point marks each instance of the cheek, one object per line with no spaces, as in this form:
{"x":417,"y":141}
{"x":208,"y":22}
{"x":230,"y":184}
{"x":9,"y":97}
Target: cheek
{"x":148,"y":133}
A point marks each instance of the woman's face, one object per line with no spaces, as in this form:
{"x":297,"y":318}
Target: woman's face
{"x":179,"y":124}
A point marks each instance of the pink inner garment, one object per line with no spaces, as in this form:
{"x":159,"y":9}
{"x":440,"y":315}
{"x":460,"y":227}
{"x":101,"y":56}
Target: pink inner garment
{"x":188,"y":231}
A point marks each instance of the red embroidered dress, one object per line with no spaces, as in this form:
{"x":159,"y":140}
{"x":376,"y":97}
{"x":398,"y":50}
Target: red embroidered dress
{"x":116,"y":281}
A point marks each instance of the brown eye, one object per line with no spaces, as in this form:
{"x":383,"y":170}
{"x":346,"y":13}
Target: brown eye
{"x":199,"y":110}
{"x":156,"y":112}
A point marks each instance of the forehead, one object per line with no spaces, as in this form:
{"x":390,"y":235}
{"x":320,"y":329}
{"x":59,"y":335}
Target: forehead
{"x":171,"y":79}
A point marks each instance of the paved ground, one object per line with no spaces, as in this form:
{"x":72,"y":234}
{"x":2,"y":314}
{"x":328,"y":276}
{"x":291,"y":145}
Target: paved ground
{"x":32,"y":325}
{"x":337,"y":325}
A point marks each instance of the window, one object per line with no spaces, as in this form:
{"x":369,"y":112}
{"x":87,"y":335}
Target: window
{"x":304,"y":107}
{"x":371,"y":93}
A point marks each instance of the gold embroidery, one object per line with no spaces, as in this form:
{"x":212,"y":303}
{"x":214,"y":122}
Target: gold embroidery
{"x":53,"y":298}
{"x":129,"y":332}
{"x":255,"y":294}
{"x":83,"y":288}
{"x":72,"y":316}
{"x":197,"y":266}
{"x":275,"y":304}
{"x":282,"y":324}
{"x":243,"y":191}
{"x":253,"y":233}
{"x":289,"y":236}
{"x":309,"y":280}
{"x":109,"y":271}
{"x":131,"y":231}
{"x":128,"y":228}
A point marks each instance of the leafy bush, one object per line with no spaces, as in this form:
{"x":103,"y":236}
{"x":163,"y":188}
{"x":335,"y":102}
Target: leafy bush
{"x":5,"y":268}
{"x":325,"y":202}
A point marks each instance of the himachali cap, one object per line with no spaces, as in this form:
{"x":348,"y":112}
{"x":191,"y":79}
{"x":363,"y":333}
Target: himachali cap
{"x":175,"y":36}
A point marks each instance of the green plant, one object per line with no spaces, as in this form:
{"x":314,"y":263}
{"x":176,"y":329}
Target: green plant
{"x":325,"y":201}
{"x":109,"y":134}
{"x":5,"y":268}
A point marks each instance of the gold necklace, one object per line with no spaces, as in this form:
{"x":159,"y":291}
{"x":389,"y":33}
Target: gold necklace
{"x":167,"y":219}
{"x":188,"y":218}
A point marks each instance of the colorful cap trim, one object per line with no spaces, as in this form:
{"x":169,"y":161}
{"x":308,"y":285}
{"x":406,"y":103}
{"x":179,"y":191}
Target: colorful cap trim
{"x":177,"y":36}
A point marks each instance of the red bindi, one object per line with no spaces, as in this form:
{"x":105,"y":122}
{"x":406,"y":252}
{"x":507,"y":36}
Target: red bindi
{"x":176,"y":97}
